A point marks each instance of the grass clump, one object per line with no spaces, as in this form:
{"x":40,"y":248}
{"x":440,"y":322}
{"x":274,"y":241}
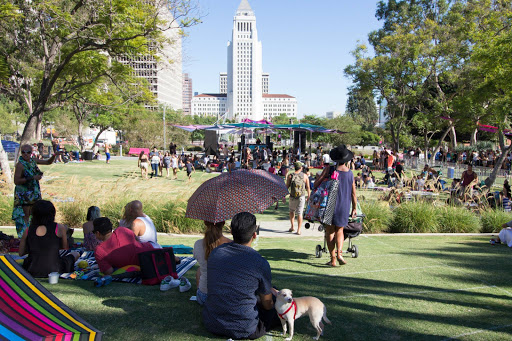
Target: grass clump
{"x":491,"y":220}
{"x":6,"y":204}
{"x":458,"y":220}
{"x":415,"y":217}
{"x":378,"y":215}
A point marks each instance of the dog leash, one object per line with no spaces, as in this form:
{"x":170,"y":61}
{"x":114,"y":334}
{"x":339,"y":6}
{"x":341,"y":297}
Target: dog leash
{"x":287,"y":310}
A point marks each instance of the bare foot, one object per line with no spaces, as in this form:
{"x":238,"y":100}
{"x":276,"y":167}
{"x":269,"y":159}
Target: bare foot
{"x":291,"y":229}
{"x":299,"y":233}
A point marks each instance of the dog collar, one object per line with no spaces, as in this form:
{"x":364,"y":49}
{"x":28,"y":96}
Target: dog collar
{"x":287,"y":310}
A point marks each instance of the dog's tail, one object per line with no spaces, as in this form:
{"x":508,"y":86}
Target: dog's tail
{"x":324,"y":317}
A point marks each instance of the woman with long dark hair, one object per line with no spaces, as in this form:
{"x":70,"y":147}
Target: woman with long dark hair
{"x":213,"y":237}
{"x":90,"y":240}
{"x":42,"y":241}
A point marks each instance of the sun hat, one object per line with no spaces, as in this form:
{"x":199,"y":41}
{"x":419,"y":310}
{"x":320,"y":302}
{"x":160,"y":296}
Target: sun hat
{"x":341,"y":154}
{"x":297,"y":165}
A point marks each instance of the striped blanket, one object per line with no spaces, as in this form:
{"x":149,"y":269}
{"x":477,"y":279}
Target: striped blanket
{"x":30,"y":312}
{"x":121,"y":276}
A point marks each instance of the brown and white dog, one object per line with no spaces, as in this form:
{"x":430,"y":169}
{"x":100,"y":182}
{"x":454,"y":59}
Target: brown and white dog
{"x":289,"y":309}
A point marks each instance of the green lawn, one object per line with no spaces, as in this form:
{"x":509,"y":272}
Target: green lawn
{"x":400,"y":288}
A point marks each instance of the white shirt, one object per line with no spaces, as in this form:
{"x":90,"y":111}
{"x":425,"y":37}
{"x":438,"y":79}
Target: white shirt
{"x":150,"y":233}
{"x":326,"y":158}
{"x":506,"y":235}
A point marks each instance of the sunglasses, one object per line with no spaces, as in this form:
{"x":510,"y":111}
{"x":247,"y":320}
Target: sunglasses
{"x":26,"y":152}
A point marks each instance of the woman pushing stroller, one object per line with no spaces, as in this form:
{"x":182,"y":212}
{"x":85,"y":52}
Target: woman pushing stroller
{"x":346,"y":203}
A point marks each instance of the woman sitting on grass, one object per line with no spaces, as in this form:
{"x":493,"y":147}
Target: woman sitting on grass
{"x":505,"y":235}
{"x":213,"y":237}
{"x":42,"y":241}
{"x":90,"y":240}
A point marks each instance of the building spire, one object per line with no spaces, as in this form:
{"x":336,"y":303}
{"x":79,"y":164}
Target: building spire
{"x":244,"y":8}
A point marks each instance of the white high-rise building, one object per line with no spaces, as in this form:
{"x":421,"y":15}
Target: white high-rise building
{"x":164,"y":74}
{"x":244,"y":88}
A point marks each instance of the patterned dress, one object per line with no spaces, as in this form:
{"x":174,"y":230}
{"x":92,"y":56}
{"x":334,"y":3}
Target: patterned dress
{"x":26,"y":194}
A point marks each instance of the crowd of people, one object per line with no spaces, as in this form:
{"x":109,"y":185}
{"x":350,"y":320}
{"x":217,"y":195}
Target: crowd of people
{"x":224,"y":263}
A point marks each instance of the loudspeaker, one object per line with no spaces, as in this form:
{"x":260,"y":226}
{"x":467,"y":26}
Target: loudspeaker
{"x":267,"y":141}
{"x":242,"y":140}
{"x":302,"y":136}
{"x":239,"y":147}
{"x":211,"y":146}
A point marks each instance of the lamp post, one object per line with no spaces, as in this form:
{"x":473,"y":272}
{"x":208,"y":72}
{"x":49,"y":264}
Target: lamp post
{"x":165,"y":143}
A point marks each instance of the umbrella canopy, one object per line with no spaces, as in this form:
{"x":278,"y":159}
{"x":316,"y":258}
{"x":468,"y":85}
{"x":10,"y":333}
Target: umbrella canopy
{"x":224,"y":196}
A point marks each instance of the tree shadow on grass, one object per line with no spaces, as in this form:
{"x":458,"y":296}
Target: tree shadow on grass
{"x":279,"y":255}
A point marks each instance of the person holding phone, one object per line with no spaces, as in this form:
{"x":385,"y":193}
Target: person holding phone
{"x":27,"y":190}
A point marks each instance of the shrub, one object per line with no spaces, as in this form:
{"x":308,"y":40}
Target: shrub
{"x":378,"y":216}
{"x":72,"y":214}
{"x":194,"y":149}
{"x":458,"y":220}
{"x":491,"y":220}
{"x":415,"y":217}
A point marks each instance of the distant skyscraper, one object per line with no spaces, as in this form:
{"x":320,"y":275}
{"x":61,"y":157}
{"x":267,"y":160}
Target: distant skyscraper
{"x":164,"y":77}
{"x":244,"y":88}
{"x":187,"y":94}
{"x":332,"y":114}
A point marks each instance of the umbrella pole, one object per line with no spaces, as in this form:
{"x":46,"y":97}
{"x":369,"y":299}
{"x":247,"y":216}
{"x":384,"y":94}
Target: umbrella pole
{"x":310,"y":143}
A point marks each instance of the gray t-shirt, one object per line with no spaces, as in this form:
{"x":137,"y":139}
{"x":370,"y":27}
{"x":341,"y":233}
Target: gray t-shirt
{"x":236,"y":275}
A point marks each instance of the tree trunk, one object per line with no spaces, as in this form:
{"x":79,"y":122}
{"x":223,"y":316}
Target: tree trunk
{"x":497,"y":166}
{"x":473,"y":137}
{"x":28,"y":132}
{"x":4,"y":164}
{"x":425,"y":136}
{"x":434,"y":152}
{"x":80,"y":136}
{"x":102,"y":129}
{"x":453,"y":138}
{"x":39,"y":128}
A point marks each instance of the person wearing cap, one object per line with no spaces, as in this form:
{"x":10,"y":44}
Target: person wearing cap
{"x":346,"y":203}
{"x":298,"y":183}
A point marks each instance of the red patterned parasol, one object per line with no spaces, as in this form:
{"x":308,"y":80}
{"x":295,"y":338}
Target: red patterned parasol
{"x":222,"y":197}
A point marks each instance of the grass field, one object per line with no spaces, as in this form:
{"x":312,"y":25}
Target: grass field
{"x":400,"y":288}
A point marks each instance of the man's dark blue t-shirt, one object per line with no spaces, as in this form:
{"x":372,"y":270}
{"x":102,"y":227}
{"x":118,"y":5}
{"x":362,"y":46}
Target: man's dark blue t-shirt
{"x":236,"y":275}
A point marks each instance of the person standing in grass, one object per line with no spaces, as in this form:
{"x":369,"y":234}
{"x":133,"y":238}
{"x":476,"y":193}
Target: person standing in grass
{"x":27,"y":191}
{"x":107,"y":151}
{"x":346,"y":203}
{"x":190,"y":168}
{"x":143,"y":164}
{"x":174,"y":165}
{"x":167,"y":162}
{"x":213,"y":237}
{"x":155,"y":162}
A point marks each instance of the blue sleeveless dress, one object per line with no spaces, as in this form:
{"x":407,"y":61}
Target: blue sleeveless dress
{"x":342,"y":209}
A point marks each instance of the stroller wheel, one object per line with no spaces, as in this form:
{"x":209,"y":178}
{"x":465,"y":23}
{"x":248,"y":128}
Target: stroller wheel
{"x":355,"y":251}
{"x":318,"y":251}
{"x":307,"y":226}
{"x":321,"y":228}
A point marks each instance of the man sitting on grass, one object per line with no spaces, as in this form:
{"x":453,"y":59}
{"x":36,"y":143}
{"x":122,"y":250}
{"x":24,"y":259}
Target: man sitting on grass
{"x":119,"y":248}
{"x":237,"y":275}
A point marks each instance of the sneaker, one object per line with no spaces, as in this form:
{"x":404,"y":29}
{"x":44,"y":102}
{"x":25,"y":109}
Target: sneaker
{"x":185,"y":285}
{"x":169,"y":282}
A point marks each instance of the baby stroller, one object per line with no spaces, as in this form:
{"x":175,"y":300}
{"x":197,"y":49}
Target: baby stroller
{"x":354,"y":229}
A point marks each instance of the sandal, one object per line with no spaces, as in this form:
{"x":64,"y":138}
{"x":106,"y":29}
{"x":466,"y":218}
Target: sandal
{"x":291,"y":229}
{"x":341,"y":261}
{"x":329,"y":263}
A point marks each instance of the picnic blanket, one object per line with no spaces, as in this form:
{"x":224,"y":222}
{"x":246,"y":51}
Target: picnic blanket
{"x":30,"y":312}
{"x":127,"y":274}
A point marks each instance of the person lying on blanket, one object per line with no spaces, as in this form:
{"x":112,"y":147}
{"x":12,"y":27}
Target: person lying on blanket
{"x":119,"y":247}
{"x":42,"y":241}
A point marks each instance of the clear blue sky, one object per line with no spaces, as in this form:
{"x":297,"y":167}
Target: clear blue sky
{"x":306,"y":46}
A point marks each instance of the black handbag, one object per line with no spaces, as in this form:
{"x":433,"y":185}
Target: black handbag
{"x":157,"y":264}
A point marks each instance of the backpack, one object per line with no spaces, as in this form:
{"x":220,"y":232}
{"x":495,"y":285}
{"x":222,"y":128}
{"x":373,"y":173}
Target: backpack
{"x":297,"y":185}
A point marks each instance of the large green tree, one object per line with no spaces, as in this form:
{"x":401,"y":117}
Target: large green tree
{"x":362,"y":108}
{"x":56,"y":47}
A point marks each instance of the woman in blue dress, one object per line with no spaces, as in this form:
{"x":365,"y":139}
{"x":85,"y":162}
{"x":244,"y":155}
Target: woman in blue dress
{"x":346,"y":202}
